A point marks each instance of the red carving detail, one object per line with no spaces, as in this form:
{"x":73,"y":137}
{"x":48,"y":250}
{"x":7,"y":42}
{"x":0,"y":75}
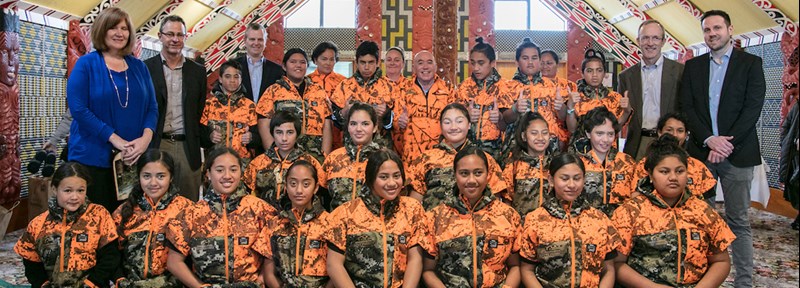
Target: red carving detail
{"x":446,"y":39}
{"x":273,"y":49}
{"x":422,"y":31}
{"x":789,"y":47}
{"x":368,"y":21}
{"x":577,"y":43}
{"x":689,"y":54}
{"x":481,"y":21}
{"x":77,"y":44}
{"x":9,"y":123}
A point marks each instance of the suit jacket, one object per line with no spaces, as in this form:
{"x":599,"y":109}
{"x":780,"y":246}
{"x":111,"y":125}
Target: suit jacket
{"x":631,"y":80}
{"x":739,"y":106}
{"x":270,"y":73}
{"x":194,"y":101}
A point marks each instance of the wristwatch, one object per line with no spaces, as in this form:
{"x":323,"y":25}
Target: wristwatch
{"x":570,"y":111}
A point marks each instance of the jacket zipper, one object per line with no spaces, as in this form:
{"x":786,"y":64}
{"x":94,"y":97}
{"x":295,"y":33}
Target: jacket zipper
{"x":385,"y":255}
{"x":541,"y":180}
{"x":355,"y":177}
{"x":225,"y":239}
{"x":572,"y":248}
{"x":474,"y":246}
{"x":63,"y":235}
{"x":297,"y":244}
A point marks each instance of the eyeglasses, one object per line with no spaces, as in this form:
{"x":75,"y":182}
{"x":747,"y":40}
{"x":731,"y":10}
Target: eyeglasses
{"x":650,"y":38}
{"x":173,"y":35}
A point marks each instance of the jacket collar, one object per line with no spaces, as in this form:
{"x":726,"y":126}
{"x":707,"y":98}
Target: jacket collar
{"x":592,"y":92}
{"x":223,"y":97}
{"x":232,"y":201}
{"x":558,"y":208}
{"x":364,"y":150}
{"x":273,"y":154}
{"x":307,"y":215}
{"x":646,"y":188}
{"x":146,"y":204}
{"x":375,"y":203}
{"x":522,"y":78}
{"x":288,"y":85}
{"x":367,"y":82}
{"x":450,"y":149}
{"x":462,"y":205}
{"x":57,"y":212}
{"x":487,"y":82}
{"x":583,"y":147}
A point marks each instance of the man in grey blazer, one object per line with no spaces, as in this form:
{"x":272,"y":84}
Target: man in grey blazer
{"x":652,"y":86}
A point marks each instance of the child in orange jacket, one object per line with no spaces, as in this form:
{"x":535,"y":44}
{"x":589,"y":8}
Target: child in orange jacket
{"x":526,"y":173}
{"x":229,"y":115}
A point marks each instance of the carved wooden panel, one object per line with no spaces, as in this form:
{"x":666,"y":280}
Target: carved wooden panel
{"x":422,"y":32}
{"x":9,"y":108}
{"x":446,"y":39}
{"x":368,"y":21}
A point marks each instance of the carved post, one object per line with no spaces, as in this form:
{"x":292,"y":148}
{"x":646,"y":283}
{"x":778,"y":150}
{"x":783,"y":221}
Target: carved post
{"x":422,"y":31}
{"x":446,"y":39}
{"x":368,"y":21}
{"x":481,"y":22}
{"x":789,"y":79}
{"x":682,"y":58}
{"x":275,"y":43}
{"x":9,"y":107}
{"x":77,"y":44}
{"x":577,"y":43}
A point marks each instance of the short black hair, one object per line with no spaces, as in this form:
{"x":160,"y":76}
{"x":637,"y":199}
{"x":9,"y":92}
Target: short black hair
{"x":368,"y":48}
{"x":663,"y":147}
{"x":483,"y":48}
{"x":471,"y":150}
{"x":304,"y":163}
{"x":525,"y":44}
{"x":293,"y":51}
{"x":70,"y":169}
{"x":670,"y":115}
{"x":322,"y":47}
{"x":597,"y":117}
{"x":720,"y":13}
{"x":283,"y":117}
{"x":551,"y":53}
{"x":171,"y":18}
{"x":592,"y":55}
{"x":229,"y":64}
{"x":375,"y":161}
{"x":565,"y":159}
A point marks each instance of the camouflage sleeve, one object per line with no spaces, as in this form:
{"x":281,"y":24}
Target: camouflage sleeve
{"x":314,"y":162}
{"x":262,"y":244}
{"x":26,"y":246}
{"x":322,"y":177}
{"x":338,"y":99}
{"x":264,"y":108}
{"x":419,"y":231}
{"x":496,"y":182}
{"x":638,"y":173}
{"x":430,"y":244}
{"x":417,"y":173}
{"x":108,"y":231}
{"x":517,"y":227}
{"x":705,"y":180}
{"x":613,"y":241}
{"x":252,"y":119}
{"x":505,"y":96}
{"x":206,"y":112}
{"x":337,"y":234}
{"x":720,"y":234}
{"x":250,"y":173}
{"x":179,"y":231}
{"x":623,"y":222}
{"x":529,"y":238}
{"x":508,"y":178}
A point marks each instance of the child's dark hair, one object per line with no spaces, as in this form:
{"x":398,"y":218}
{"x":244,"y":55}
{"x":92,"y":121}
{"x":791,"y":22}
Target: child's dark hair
{"x":523,"y":123}
{"x":375,"y":161}
{"x":663,"y":147}
{"x":283,"y":117}
{"x":597,"y":117}
{"x":525,"y":44}
{"x":304,"y":163}
{"x":670,"y":115}
{"x":368,"y":48}
{"x":322,"y":47}
{"x":152,"y":155}
{"x":214,"y":154}
{"x":592,"y":55}
{"x":70,"y":169}
{"x":483,"y":48}
{"x":358,"y":106}
{"x":293,"y":51}
{"x":471,"y":150}
{"x":564,"y":159}
{"x":456,"y":106}
{"x":551,"y":53}
{"x":229,"y":64}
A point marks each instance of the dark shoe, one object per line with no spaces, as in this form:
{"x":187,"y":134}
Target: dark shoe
{"x":36,"y":162}
{"x":796,"y":223}
{"x":49,"y":165}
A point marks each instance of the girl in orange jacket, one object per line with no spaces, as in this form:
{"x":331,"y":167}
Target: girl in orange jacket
{"x":433,"y":179}
{"x":486,"y":96}
{"x":669,"y":237}
{"x":325,"y":56}
{"x":296,"y":250}
{"x":74,"y":243}
{"x":264,"y":176}
{"x":219,"y":232}
{"x":142,"y":222}
{"x":701,"y":181}
{"x":526,"y":173}
{"x":609,"y":172}
{"x":343,"y":170}
{"x":592,"y":94}
{"x":374,"y":240}
{"x":229,"y":115}
{"x":566,"y":242}
{"x":474,"y":236}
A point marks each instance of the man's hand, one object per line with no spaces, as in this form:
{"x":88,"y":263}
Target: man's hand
{"x":574,"y":98}
{"x":715,"y":157}
{"x":625,"y":102}
{"x":381,"y":108}
{"x":402,"y":121}
{"x":721,"y":144}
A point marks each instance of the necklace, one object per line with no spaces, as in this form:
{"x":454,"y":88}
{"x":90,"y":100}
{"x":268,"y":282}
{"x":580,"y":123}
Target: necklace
{"x":116,"y":89}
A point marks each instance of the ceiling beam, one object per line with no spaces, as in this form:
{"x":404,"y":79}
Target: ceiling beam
{"x":603,"y":32}
{"x":265,"y":14}
{"x":156,"y":19}
{"x":777,"y":15}
{"x":88,"y":20}
{"x":641,"y":15}
{"x":211,"y":15}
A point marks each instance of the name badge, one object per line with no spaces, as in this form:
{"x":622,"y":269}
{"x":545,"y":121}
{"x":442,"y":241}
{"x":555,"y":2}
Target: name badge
{"x":83,"y":237}
{"x":690,"y":181}
{"x":591,"y":248}
{"x":315,"y":244}
{"x":620,"y":176}
{"x":493,"y":243}
{"x":244,"y":241}
{"x":160,"y":237}
{"x":402,"y":239}
{"x":695,"y":236}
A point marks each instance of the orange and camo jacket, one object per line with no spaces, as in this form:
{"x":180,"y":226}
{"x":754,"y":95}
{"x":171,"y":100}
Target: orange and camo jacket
{"x":67,"y":242}
{"x":424,"y":112}
{"x":343,"y":171}
{"x":670,"y":245}
{"x":232,"y":115}
{"x":329,"y":83}
{"x":608,"y":182}
{"x":483,"y":95}
{"x":527,"y":182}
{"x":541,"y":96}
{"x":593,"y":97}
{"x":375,"y":235}
{"x":265,"y":176}
{"x":568,"y":243}
{"x":311,"y":108}
{"x":374,"y":91}
{"x":143,"y":239}
{"x":218,"y":234}
{"x":471,"y":244}
{"x":399,"y":87}
{"x":700,"y":178}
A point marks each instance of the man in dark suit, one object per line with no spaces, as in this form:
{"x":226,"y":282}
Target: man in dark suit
{"x":652,"y":87}
{"x":722,"y":93}
{"x":180,"y":86}
{"x":258,"y":73}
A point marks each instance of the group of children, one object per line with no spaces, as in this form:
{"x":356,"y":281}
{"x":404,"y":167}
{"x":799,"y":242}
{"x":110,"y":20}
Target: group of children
{"x":515,"y":184}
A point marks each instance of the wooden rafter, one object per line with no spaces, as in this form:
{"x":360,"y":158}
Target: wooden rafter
{"x":777,"y":15}
{"x":156,"y":19}
{"x":641,"y":15}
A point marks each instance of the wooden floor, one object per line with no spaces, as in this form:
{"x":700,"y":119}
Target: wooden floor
{"x":777,"y":205}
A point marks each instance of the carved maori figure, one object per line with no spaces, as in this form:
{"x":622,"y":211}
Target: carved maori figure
{"x":789,"y":79}
{"x":422,"y":32}
{"x":9,"y":108}
{"x":446,"y":39}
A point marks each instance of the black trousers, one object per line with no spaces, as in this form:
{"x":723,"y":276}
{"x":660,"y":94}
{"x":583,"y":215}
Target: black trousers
{"x":101,"y":189}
